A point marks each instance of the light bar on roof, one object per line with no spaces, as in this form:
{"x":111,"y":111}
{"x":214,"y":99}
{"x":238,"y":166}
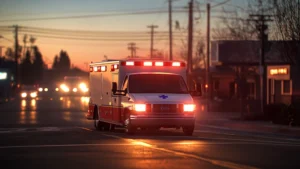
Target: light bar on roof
{"x":91,"y":69}
{"x":114,"y":67}
{"x":129,"y":63}
{"x":175,"y":63}
{"x":95,"y":69}
{"x":103,"y":69}
{"x":159,"y":63}
{"x":147,"y":63}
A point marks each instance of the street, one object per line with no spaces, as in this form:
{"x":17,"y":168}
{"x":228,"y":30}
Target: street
{"x":53,"y":133}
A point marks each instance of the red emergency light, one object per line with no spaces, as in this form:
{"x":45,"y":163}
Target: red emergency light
{"x":91,"y":69}
{"x":114,"y":67}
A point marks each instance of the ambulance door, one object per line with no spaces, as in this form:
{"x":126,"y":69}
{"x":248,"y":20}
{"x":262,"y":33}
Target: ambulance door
{"x":116,"y":102}
{"x":105,"y":96}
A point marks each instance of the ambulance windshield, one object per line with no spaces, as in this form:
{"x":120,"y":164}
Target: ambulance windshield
{"x":157,"y":83}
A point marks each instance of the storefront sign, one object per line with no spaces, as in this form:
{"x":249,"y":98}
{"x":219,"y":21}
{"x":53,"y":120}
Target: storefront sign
{"x":278,"y":71}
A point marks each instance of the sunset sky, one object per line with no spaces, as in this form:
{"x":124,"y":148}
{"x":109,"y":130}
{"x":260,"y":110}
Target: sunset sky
{"x":85,"y":51}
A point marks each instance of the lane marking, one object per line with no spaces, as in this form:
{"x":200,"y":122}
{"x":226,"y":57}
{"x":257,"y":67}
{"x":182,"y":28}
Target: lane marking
{"x":84,"y":128}
{"x":212,"y":161}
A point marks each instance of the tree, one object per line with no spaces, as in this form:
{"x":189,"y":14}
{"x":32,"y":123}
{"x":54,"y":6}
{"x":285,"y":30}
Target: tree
{"x":26,"y":69}
{"x":25,"y":37}
{"x":38,"y":65}
{"x":55,"y":62}
{"x":287,"y":27}
{"x":9,"y":53}
{"x":64,"y":63}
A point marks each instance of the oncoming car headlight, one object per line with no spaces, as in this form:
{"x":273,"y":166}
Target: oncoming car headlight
{"x":83,"y":87}
{"x":33,"y":94}
{"x":24,"y":94}
{"x":64,"y":88}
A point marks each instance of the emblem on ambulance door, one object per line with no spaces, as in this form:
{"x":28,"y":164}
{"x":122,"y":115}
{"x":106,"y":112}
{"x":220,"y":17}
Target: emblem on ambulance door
{"x":163,"y":96}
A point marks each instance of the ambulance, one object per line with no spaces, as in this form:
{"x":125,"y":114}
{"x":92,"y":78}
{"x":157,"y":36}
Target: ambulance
{"x":140,"y":94}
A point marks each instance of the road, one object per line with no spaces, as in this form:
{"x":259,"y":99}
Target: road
{"x":53,"y":133}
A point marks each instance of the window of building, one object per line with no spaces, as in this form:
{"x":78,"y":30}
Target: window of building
{"x":286,"y":87}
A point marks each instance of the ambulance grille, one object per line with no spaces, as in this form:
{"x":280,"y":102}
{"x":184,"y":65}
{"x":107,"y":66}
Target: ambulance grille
{"x":165,"y":108}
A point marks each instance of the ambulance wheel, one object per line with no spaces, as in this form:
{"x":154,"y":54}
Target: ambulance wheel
{"x":112,"y":127}
{"x":130,"y":129}
{"x":98,"y":125}
{"x":188,"y":130}
{"x":106,"y":126}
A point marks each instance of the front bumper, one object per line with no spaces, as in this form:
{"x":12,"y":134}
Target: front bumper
{"x":162,"y":121}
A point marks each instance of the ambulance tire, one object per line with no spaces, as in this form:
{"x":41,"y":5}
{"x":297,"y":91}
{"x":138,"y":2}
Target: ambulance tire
{"x":106,"y":126}
{"x":112,"y":127}
{"x":98,"y":125}
{"x":130,"y":130}
{"x":188,"y":130}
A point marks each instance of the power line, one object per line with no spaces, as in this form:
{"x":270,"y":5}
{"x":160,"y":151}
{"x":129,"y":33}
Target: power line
{"x":92,"y":39}
{"x":90,"y":16}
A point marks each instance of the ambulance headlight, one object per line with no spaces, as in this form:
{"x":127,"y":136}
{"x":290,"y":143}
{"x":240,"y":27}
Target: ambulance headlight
{"x":140,"y":107}
{"x":40,"y":89}
{"x":33,"y":94}
{"x":24,"y":94}
{"x":188,"y":107}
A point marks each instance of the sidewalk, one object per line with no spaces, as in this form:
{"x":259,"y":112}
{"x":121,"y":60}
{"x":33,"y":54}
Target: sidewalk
{"x":230,"y":121}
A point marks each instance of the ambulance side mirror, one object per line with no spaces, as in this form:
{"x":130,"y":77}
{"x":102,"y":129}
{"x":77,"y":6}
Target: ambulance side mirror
{"x":114,"y":87}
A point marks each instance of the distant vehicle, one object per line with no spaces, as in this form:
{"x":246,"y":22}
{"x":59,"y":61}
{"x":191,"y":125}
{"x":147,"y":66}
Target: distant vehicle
{"x":28,"y":92}
{"x":145,"y":94}
{"x":73,"y":86}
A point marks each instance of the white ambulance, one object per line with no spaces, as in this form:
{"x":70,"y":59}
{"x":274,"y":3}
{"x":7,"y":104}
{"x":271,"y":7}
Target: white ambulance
{"x":140,"y":94}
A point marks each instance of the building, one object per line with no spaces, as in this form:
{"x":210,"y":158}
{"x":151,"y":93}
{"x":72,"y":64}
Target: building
{"x":235,"y":73}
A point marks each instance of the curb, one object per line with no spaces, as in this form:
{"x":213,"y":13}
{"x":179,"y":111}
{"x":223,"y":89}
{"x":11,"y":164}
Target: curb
{"x":248,"y":127}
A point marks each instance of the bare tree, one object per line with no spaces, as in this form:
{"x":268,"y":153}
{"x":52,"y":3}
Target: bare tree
{"x":287,"y":27}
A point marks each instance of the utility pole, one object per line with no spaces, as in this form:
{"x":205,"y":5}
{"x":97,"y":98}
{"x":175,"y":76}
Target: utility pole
{"x":132,"y":48}
{"x":16,"y":54}
{"x":190,"y":44}
{"x":262,"y":27}
{"x":208,"y":86}
{"x":170,"y":30}
{"x":152,"y":27}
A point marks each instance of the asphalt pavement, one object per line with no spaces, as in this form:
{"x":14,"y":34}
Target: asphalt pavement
{"x":53,"y":133}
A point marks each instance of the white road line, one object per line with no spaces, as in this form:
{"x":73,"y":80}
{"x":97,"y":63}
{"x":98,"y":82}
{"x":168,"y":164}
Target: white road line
{"x":84,"y":128}
{"x":212,"y":161}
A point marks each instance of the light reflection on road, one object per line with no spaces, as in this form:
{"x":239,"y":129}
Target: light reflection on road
{"x":28,"y":117}
{"x":67,"y":109}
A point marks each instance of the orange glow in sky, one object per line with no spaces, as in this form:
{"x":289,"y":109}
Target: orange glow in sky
{"x":82,"y":52}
